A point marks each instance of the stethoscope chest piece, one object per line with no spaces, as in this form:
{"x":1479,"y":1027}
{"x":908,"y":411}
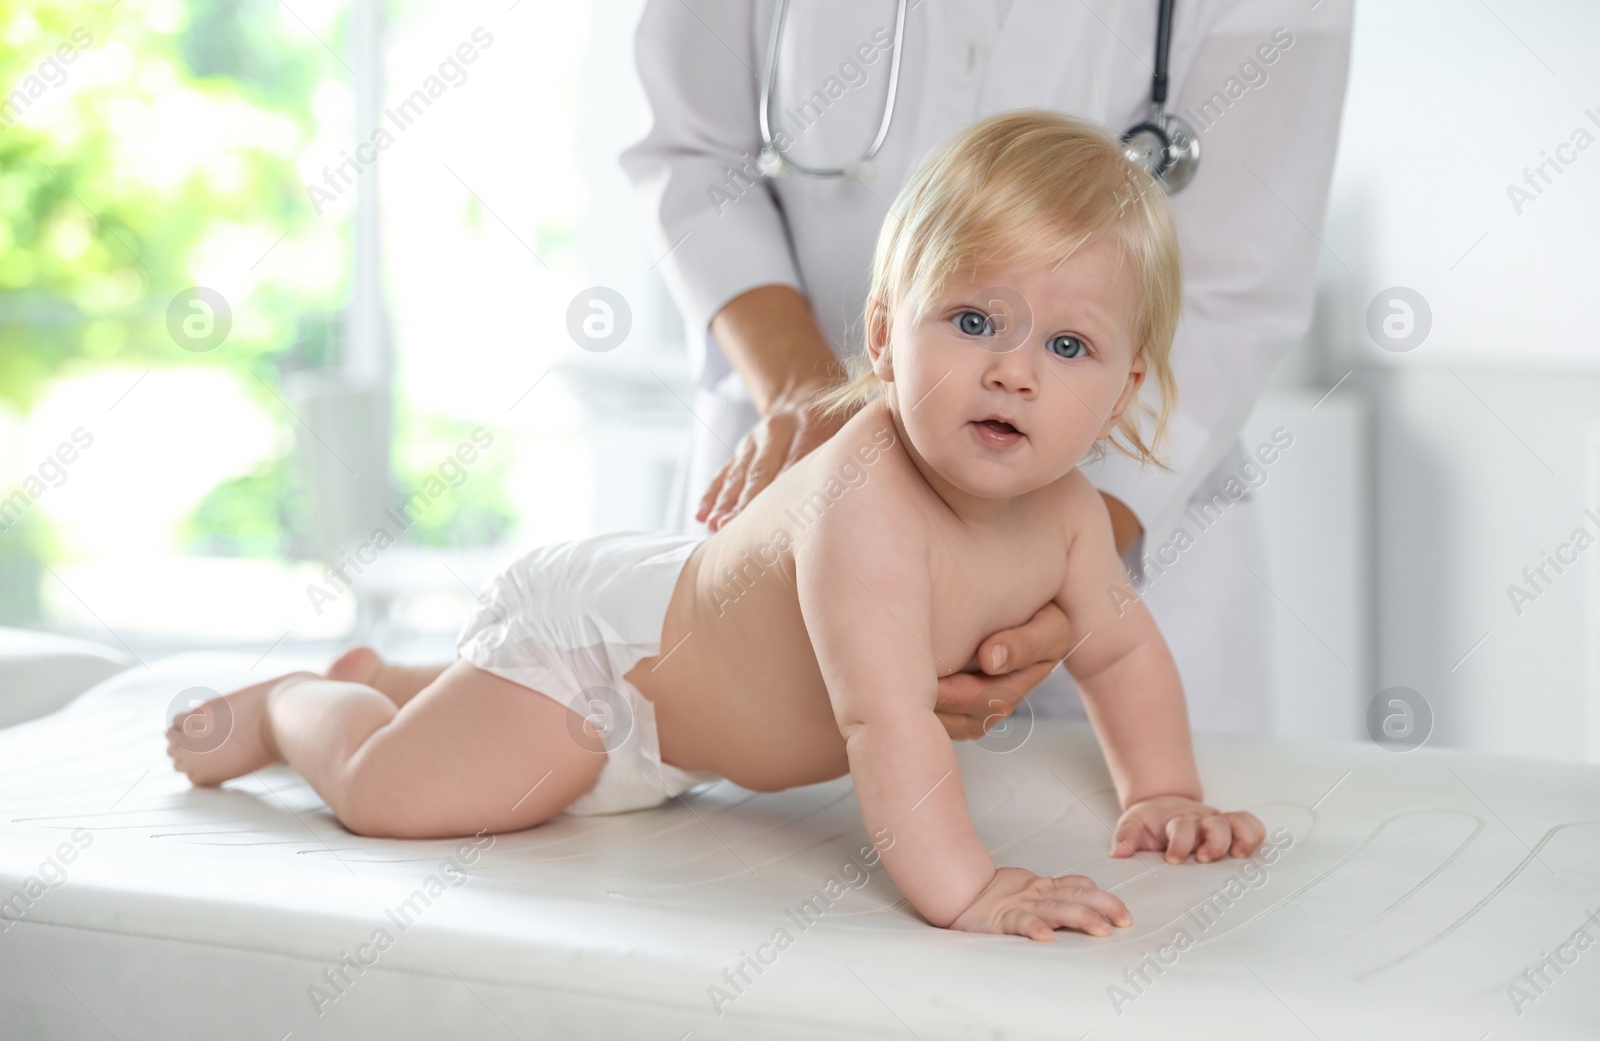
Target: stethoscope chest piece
{"x":1167,"y":147}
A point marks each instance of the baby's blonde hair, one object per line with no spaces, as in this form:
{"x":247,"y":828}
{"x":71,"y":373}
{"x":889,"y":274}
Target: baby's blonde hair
{"x":1029,"y":185}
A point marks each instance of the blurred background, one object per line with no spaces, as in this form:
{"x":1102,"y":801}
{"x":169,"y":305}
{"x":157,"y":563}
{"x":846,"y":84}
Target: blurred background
{"x":262,"y":391}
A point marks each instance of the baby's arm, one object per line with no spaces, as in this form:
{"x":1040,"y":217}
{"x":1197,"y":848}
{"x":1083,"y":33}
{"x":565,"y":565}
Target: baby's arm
{"x":865,"y":592}
{"x":1133,"y":696}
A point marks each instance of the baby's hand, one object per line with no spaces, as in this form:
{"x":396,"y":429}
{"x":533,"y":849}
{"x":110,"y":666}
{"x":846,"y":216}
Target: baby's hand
{"x":1020,"y":902}
{"x":1180,"y":826}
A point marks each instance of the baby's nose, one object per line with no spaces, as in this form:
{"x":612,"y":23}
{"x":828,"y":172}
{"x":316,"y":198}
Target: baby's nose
{"x":1012,"y":370}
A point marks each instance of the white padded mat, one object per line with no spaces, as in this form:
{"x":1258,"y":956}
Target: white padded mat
{"x":1425,"y":895}
{"x":40,"y":672}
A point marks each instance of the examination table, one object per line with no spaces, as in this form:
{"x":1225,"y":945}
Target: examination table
{"x":1427,"y":894}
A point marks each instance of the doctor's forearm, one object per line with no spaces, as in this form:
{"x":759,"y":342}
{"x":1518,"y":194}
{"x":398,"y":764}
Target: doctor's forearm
{"x":773,"y":341}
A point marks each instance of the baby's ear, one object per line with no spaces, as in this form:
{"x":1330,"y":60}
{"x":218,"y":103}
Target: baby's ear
{"x":878,"y":333}
{"x":1136,"y":374}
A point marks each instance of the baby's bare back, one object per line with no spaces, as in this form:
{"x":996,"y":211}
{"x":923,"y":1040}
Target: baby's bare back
{"x":736,"y":687}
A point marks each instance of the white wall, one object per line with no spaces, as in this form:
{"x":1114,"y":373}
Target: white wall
{"x":1482,"y":446}
{"x":1315,"y":511}
{"x":635,"y":394}
{"x":1466,"y":506}
{"x":1448,"y":104}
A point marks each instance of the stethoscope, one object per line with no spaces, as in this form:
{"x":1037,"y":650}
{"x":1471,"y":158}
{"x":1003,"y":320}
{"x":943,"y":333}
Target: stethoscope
{"x":1165,"y":145}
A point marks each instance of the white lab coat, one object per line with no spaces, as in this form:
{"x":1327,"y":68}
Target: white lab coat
{"x":1247,"y":226}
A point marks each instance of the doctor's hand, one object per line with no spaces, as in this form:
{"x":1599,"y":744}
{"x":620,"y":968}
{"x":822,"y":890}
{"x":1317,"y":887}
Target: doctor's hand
{"x":1013,"y":661}
{"x":793,"y":426}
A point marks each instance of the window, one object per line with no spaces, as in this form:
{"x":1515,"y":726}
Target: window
{"x":275,"y":278}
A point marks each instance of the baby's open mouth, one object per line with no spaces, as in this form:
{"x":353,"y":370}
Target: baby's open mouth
{"x":996,"y":432}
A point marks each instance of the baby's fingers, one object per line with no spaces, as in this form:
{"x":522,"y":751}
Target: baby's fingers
{"x":1248,"y":832}
{"x":1074,"y":914}
{"x":1180,"y":839}
{"x":1132,"y":836}
{"x":1107,"y":905}
{"x":1217,"y":834}
{"x":1023,"y":922}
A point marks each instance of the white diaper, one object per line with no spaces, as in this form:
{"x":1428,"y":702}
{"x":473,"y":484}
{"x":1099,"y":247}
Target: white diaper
{"x":569,"y":620}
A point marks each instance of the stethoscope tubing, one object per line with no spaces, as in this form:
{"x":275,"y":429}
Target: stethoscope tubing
{"x":769,"y":77}
{"x":774,"y":163}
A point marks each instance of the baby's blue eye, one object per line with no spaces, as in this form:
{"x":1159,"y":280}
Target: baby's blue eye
{"x":973,"y":323}
{"x":1066,"y":346}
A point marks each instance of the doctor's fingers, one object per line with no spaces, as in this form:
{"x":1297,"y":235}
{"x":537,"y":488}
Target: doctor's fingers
{"x":772,"y":456}
{"x":986,"y":700}
{"x":713,"y":494}
{"x":710,"y":497}
{"x":971,"y":705}
{"x":1042,"y":638}
{"x":767,"y":451}
{"x":724,"y":490}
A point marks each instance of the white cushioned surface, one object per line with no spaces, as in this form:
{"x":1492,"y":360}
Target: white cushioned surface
{"x":1416,"y":891}
{"x":40,"y":672}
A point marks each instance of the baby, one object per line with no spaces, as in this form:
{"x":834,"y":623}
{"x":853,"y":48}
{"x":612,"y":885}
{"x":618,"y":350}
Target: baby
{"x":1024,"y":284}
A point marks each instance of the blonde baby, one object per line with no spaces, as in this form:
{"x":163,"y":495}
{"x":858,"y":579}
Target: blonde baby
{"x":1025,"y":285}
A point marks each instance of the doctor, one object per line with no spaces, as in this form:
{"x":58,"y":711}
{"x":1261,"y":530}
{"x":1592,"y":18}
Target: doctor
{"x":768,"y":263}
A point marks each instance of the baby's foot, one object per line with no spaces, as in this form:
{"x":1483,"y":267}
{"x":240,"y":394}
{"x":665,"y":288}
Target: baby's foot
{"x":225,"y":737}
{"x":398,"y":683}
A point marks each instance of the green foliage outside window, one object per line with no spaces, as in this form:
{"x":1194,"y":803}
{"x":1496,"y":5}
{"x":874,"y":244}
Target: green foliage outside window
{"x":126,"y":179}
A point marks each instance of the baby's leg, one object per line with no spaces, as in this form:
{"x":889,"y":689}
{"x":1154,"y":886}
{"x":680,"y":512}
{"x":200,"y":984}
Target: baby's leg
{"x":472,"y":752}
{"x":399,"y":683}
